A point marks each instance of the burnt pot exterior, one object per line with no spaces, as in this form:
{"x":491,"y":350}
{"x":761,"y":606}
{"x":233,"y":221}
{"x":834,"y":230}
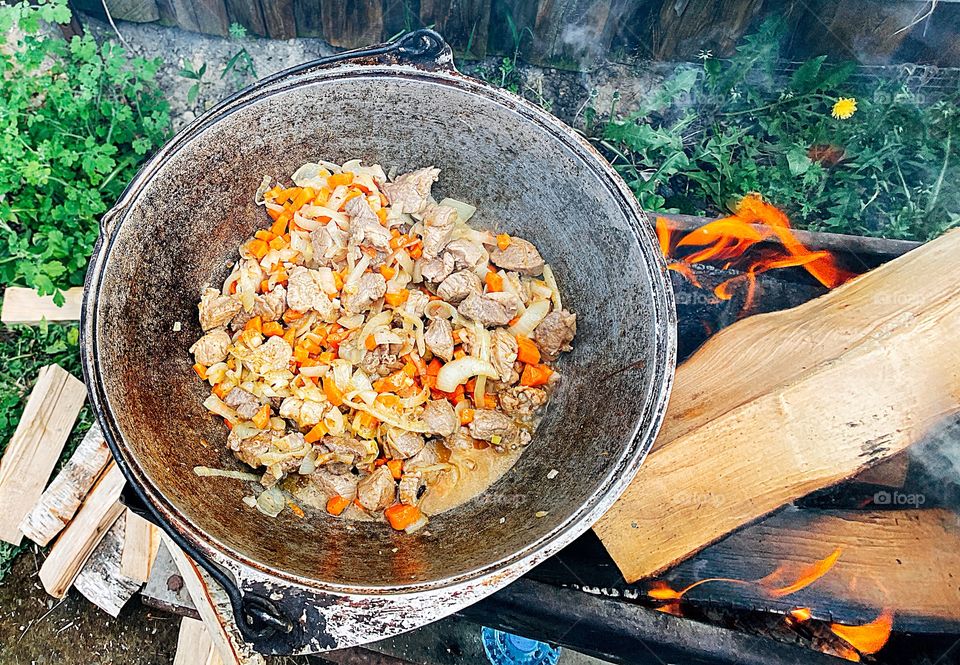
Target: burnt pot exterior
{"x":304,"y":585}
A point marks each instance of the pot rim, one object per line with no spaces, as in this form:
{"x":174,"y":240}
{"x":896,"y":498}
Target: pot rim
{"x":640,"y":436}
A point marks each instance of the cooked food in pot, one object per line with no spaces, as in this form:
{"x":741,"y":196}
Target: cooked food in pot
{"x":376,"y":356}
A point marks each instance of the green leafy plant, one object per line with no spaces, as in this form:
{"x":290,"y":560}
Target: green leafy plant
{"x":195,"y":73}
{"x":76,"y":119}
{"x":717,"y":131}
{"x":240,"y":66}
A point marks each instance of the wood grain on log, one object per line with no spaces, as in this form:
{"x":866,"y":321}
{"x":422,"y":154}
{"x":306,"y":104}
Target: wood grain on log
{"x":141,"y":539}
{"x":206,"y":16}
{"x":194,"y":645}
{"x":574,"y":34}
{"x":352,"y":23}
{"x":60,"y":501}
{"x":21,"y":305}
{"x":101,"y":580}
{"x":308,"y":17}
{"x":248,"y":14}
{"x":680,"y":31}
{"x":279,"y":19}
{"x":464,"y":24}
{"x":36,"y":445}
{"x":74,"y":546}
{"x":779,"y":405}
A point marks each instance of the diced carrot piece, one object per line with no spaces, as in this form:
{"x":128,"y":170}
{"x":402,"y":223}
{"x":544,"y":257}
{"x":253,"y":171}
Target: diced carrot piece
{"x":287,"y":194}
{"x":337,"y":504}
{"x":409,"y":369}
{"x":494,"y":281}
{"x":466,"y":416}
{"x":385,"y":385}
{"x":489,"y":401}
{"x":401,"y":515}
{"x":273,"y":193}
{"x":228,"y":423}
{"x":220,"y":391}
{"x":255,"y":324}
{"x":311,"y":346}
{"x":470,"y":386}
{"x":503,"y":241}
{"x":389,"y":400}
{"x":264,"y":235}
{"x":396,"y":468}
{"x":388,"y":272}
{"x":262,"y":418}
{"x":535,"y":375}
{"x":316,"y":433}
{"x":380,"y":461}
{"x":233,"y":288}
{"x":382,"y":214}
{"x":306,"y":194}
{"x":396,"y":299}
{"x":352,"y":194}
{"x":434,"y":367}
{"x":201,"y":371}
{"x":416,"y":251}
{"x":300,"y":354}
{"x":272,"y":328}
{"x":370,"y":343}
{"x":333,"y":393}
{"x":264,"y":285}
{"x":278,"y":243}
{"x":338,"y":179}
{"x":280,"y":224}
{"x":258,"y":248}
{"x":290,"y":336}
{"x":514,"y":320}
{"x":292,"y":315}
{"x":527,"y":350}
{"x":398,"y":241}
{"x":459,"y":353}
{"x":327,"y":357}
{"x":296,"y":510}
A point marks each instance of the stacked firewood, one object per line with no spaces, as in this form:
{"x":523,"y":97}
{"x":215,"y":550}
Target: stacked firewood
{"x":97,"y":546}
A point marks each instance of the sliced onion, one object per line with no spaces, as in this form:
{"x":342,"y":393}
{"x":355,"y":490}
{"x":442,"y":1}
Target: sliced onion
{"x":306,"y":222}
{"x":351,"y":322}
{"x":416,"y":400}
{"x":309,"y":463}
{"x":416,"y":526}
{"x":271,"y":502}
{"x":207,"y":472}
{"x":354,"y":277}
{"x":531,"y":318}
{"x":552,"y":283}
{"x":464,"y":210}
{"x":439,"y":309}
{"x":216,"y":405}
{"x":318,"y":212}
{"x":261,"y":190}
{"x":458,"y":371}
{"x":315,"y":371}
{"x":387,"y":416}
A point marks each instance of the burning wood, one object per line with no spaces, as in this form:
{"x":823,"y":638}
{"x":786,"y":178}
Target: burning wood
{"x":868,"y":638}
{"x":729,"y":241}
{"x":764,"y":413}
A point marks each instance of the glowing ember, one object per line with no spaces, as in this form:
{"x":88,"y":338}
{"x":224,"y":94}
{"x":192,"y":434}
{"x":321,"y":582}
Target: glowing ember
{"x":808,"y":576}
{"x":728,"y":240}
{"x":800,"y":614}
{"x":868,"y":638}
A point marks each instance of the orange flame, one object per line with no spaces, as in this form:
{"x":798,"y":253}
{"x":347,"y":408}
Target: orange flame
{"x":800,"y":614}
{"x":808,"y":575}
{"x":868,"y":638}
{"x":728,"y":239}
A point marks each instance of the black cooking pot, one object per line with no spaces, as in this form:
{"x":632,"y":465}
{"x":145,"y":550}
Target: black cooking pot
{"x":305,"y":585}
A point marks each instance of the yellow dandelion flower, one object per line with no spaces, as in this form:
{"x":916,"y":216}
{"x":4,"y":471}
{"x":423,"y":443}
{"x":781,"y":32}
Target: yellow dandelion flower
{"x":844,"y":108}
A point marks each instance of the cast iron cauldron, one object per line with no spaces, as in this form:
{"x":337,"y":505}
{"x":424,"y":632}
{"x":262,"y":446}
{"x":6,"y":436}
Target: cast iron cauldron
{"x":307,"y":585}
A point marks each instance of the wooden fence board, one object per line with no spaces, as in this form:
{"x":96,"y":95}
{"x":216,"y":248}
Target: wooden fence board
{"x":307,"y":15}
{"x":464,"y":24}
{"x":511,"y":25}
{"x":352,"y":23}
{"x":278,"y":18}
{"x":248,"y":14}
{"x":573,"y":34}
{"x":679,"y":31}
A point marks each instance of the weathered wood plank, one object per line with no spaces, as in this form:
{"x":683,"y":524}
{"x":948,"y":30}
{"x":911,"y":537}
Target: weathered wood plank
{"x":464,"y":24}
{"x":307,"y":15}
{"x":101,"y":580}
{"x":248,"y":14}
{"x":681,"y":30}
{"x":36,"y":445}
{"x":512,"y":24}
{"x":74,"y":546}
{"x":278,"y":18}
{"x":206,"y":16}
{"x":574,"y":34}
{"x":899,"y":559}
{"x":60,"y":501}
{"x":763,"y":413}
{"x":352,"y":23}
{"x":22,"y":305}
{"x":400,"y":16}
{"x":141,"y":539}
{"x":138,"y":11}
{"x":215,"y":610}
{"x":194,"y":645}
{"x":859,"y":30}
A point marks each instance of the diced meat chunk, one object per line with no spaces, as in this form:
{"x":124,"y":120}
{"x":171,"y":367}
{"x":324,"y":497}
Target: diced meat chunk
{"x":522,"y":401}
{"x":504,"y":353}
{"x":555,"y":333}
{"x":486,"y":310}
{"x":466,"y":254}
{"x":410,"y":192}
{"x":438,"y":269}
{"x":440,"y":418}
{"x":347,"y":445}
{"x":438,"y":225}
{"x":380,"y":362}
{"x":497,"y":428}
{"x":252,"y":449}
{"x":459,"y":285}
{"x":335,"y":484}
{"x":273,"y":354}
{"x":378,"y":490}
{"x":216,"y":310}
{"x":410,"y":488}
{"x":428,"y":456}
{"x":211,"y":348}
{"x":305,"y":292}
{"x":329,"y":245}
{"x":271,"y":305}
{"x":520,"y":256}
{"x":439,"y":339}
{"x":365,"y":226}
{"x":416,"y":301}
{"x":402,"y":444}
{"x":304,"y":412}
{"x":370,"y":288}
{"x":459,"y":439}
{"x":245,"y":404}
